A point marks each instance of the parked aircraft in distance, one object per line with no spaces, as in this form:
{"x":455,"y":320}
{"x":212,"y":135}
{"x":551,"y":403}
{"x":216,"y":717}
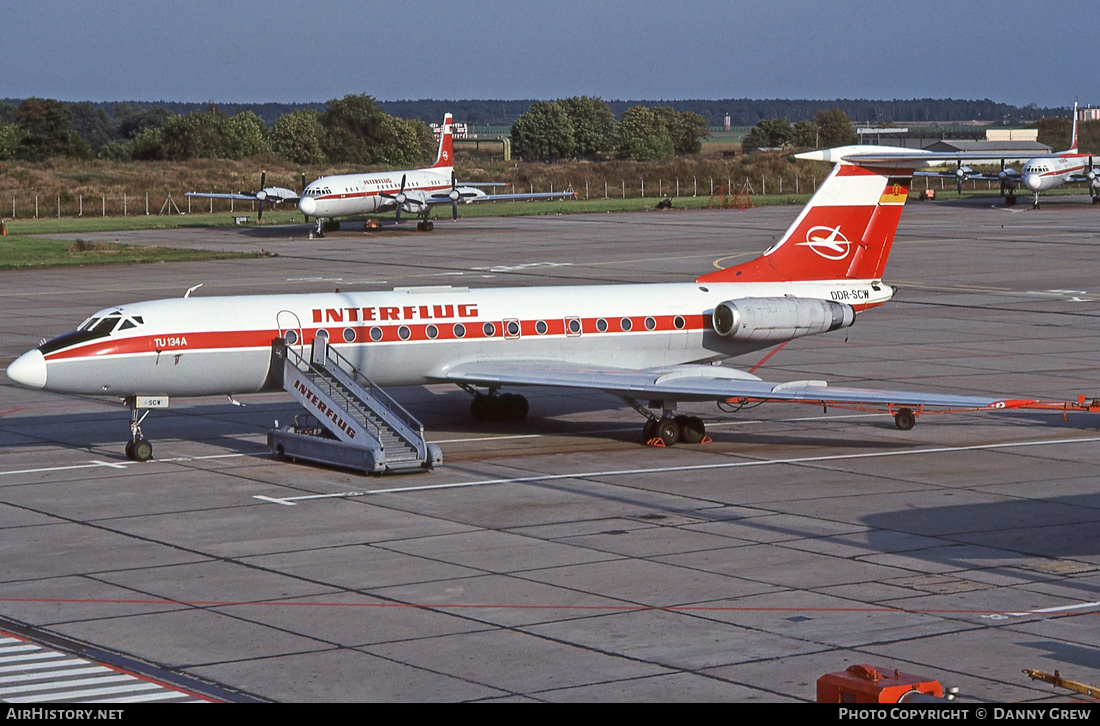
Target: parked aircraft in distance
{"x":412,"y":191}
{"x":652,"y":343}
{"x":1040,"y":173}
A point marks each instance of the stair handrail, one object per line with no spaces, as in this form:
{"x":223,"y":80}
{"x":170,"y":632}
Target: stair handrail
{"x":338,"y":395}
{"x":359,"y":377}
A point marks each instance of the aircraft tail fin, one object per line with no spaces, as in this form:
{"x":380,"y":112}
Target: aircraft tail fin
{"x":445,"y":157}
{"x":844,"y":232}
{"x":1073,"y":139}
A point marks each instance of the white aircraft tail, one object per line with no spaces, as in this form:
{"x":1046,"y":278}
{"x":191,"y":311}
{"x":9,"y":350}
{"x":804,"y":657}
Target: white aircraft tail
{"x":1073,"y":138}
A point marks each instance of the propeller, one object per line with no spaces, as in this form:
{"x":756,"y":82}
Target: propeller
{"x":454,"y":196}
{"x":261,"y":195}
{"x":960,"y":174}
{"x":1093,"y":176}
{"x":400,"y":199}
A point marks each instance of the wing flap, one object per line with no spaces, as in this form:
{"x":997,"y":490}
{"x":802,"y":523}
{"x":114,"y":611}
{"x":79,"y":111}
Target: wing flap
{"x":692,"y":383}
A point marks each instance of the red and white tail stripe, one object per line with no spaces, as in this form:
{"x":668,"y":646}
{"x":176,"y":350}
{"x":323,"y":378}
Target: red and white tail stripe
{"x":845,"y":232}
{"x":446,"y":155}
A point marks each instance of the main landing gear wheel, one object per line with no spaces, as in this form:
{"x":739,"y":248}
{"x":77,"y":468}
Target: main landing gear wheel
{"x":669,"y":430}
{"x":505,"y":407}
{"x":905,"y":419}
{"x":692,"y":429}
{"x":427,"y":226}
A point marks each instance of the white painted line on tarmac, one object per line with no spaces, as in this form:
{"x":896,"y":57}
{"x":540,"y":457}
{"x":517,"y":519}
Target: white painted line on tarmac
{"x":110,"y":464}
{"x":669,"y":469}
{"x":1046,"y":611}
{"x":95,"y":463}
{"x":91,"y":465}
{"x":505,"y":437}
{"x":620,"y":429}
{"x":1060,"y":609}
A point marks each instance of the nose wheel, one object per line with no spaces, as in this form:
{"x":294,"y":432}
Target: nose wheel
{"x":139,"y":450}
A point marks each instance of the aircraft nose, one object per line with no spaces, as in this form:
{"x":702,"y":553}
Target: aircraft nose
{"x":29,"y":369}
{"x":1033,"y":181}
{"x":308,"y":205}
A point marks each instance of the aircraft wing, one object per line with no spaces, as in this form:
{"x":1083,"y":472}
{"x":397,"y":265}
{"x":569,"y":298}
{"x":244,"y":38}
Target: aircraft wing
{"x":918,"y":158}
{"x":468,"y":195}
{"x":695,"y":383}
{"x":274,"y":195}
{"x":967,"y":174}
{"x":520,"y":197}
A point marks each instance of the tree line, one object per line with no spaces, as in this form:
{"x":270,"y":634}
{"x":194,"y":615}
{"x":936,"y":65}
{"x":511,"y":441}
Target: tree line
{"x":585,"y":128}
{"x":351,"y":130}
{"x":357,"y":130}
{"x":742,"y":111}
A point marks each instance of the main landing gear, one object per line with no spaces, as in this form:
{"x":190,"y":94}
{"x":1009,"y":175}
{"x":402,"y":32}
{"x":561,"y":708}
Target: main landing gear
{"x":669,"y":429}
{"x":494,"y":406}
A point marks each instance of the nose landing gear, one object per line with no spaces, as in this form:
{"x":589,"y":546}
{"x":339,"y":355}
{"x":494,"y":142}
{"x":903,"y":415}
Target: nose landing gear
{"x":138,"y":448}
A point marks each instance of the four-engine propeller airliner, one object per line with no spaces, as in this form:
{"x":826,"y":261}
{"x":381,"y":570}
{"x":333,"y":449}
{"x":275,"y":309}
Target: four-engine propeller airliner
{"x":412,"y":191}
{"x":652,"y":343}
{"x":1040,"y":173}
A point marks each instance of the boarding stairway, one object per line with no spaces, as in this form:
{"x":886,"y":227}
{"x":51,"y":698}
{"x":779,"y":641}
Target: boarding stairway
{"x":354,"y":410}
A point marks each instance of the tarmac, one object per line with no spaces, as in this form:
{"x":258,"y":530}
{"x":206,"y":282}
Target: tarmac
{"x":559,"y":559}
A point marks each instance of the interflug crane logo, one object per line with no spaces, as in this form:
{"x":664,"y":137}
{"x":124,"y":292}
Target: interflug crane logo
{"x":827,"y":242}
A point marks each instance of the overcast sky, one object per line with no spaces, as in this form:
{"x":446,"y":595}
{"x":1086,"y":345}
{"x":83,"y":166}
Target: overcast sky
{"x":302,"y":51}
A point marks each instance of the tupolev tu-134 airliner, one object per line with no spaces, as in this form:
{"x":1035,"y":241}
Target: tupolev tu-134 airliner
{"x":653,"y":345}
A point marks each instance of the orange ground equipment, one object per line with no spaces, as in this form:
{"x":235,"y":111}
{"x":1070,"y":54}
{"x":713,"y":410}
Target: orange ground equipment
{"x":867,"y":684}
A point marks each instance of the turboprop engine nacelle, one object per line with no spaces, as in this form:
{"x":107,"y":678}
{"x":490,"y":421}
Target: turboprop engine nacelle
{"x":779,"y":318}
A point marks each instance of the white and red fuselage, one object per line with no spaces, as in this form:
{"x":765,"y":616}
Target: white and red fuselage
{"x":346,"y":195}
{"x":1044,"y":174}
{"x":223,"y":345}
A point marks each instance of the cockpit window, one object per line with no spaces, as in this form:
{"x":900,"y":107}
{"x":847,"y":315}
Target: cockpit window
{"x":105,"y":325}
{"x":91,"y":329}
{"x":127,"y":324}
